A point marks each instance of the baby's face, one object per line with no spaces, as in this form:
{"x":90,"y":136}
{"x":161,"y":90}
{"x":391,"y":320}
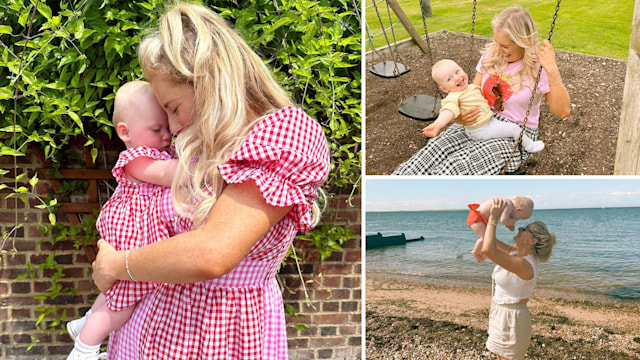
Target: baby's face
{"x":451,"y":77}
{"x":149,"y":127}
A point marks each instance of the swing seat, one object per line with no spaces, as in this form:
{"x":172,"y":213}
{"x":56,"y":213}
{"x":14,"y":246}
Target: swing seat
{"x":389,"y":69}
{"x":420,"y":107}
{"x":519,"y":171}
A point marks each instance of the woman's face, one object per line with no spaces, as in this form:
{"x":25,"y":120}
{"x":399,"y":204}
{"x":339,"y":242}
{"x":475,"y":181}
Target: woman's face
{"x":507,"y":48}
{"x":177,"y":100}
{"x":525,"y":236}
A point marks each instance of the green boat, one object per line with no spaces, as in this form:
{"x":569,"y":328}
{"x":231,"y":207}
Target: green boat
{"x":378,"y":241}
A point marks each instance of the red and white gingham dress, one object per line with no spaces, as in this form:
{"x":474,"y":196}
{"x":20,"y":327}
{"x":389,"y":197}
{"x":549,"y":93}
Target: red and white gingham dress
{"x":131,"y":219}
{"x":239,"y":315}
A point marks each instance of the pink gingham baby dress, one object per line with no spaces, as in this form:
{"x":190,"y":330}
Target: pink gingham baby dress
{"x":131,"y":219}
{"x":239,"y":315}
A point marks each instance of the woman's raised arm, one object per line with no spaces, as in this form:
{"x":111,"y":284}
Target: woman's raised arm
{"x":239,"y":218}
{"x":490,"y":248}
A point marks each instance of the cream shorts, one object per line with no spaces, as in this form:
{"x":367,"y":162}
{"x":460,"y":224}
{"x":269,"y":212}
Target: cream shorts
{"x":509,"y":330}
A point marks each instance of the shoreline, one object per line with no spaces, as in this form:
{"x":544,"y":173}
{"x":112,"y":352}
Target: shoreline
{"x":545,"y":291}
{"x":417,"y":319}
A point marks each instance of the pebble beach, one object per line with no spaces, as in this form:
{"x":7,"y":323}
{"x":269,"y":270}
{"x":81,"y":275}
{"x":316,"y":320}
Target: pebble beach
{"x":409,"y":318}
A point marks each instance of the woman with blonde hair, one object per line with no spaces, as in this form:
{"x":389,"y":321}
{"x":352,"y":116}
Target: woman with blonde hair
{"x":514,"y":279}
{"x":251,"y":165}
{"x":506,"y":74}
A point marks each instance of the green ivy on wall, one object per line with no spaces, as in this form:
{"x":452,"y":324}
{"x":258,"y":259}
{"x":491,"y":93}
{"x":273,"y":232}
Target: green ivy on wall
{"x":62,"y":61}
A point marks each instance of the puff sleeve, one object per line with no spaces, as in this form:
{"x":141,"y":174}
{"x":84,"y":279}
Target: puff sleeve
{"x":287,"y":156}
{"x":130,"y":154}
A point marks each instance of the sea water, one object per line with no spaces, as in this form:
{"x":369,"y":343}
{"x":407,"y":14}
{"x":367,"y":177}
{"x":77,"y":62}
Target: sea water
{"x":597,"y":250}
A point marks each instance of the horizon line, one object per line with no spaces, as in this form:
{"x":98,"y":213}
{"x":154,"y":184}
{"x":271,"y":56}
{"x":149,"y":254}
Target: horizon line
{"x":464,"y":209}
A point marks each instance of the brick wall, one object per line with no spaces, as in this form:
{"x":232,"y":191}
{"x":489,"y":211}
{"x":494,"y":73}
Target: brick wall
{"x":333,"y":315}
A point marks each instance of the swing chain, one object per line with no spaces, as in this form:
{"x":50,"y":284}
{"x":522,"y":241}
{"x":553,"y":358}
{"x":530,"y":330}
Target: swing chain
{"x":473,"y":30}
{"x":533,"y":94}
{"x":473,"y":19}
{"x":426,"y":33}
{"x":393,"y":33}
{"x":386,"y":38}
{"x":426,"y":36}
{"x":555,"y":17}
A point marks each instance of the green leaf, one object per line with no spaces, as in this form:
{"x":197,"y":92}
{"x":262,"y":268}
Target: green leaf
{"x":52,"y":218}
{"x":58,"y":85}
{"x":6,"y":93}
{"x":32,"y":109}
{"x":33,"y":181}
{"x":22,"y":20}
{"x":10,"y":152}
{"x":12,"y":129}
{"x":44,"y":10}
{"x":76,"y":119}
{"x":4,"y":29}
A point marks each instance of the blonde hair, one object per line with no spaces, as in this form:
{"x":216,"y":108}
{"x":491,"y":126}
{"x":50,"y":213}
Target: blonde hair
{"x":518,"y":24}
{"x":233,"y":90}
{"x":545,"y":241}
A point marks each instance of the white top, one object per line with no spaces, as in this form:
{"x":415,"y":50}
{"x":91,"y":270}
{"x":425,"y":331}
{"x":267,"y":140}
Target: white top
{"x":509,"y":288}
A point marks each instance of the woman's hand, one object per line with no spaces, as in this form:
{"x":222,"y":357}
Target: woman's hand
{"x":558,"y":96}
{"x":467,"y":117}
{"x":106,"y":260}
{"x":497,"y":208}
{"x":547,"y":56}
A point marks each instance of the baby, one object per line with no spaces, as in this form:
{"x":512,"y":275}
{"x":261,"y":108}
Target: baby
{"x":517,"y":209}
{"x":455,"y":83}
{"x":130,"y":218}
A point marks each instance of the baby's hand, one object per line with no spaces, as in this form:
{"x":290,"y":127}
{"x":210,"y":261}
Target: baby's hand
{"x":510,"y":227}
{"x":431,"y":131}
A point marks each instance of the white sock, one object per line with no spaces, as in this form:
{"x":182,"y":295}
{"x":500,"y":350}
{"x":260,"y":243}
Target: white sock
{"x":83,"y":348}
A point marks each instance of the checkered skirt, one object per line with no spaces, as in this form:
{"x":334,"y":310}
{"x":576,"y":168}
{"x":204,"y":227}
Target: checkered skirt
{"x":239,"y":315}
{"x":452,"y":152}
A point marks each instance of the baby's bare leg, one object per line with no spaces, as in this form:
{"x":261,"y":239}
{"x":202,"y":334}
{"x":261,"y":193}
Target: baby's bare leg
{"x":479,"y":228}
{"x":102,"y":321}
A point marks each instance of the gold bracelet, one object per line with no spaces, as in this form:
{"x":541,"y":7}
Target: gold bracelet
{"x":556,"y":82}
{"x":494,"y":224}
{"x":126,"y":265}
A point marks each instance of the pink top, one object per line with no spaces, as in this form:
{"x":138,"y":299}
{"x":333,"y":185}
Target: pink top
{"x":239,"y":315}
{"x":131,"y":219}
{"x":515,"y":103}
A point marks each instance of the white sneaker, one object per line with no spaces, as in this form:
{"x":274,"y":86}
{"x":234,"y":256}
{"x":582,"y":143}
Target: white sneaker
{"x":75,"y":326}
{"x":77,"y":355}
{"x":535,"y":146}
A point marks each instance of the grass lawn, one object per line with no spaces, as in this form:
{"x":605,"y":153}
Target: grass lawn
{"x":591,"y":27}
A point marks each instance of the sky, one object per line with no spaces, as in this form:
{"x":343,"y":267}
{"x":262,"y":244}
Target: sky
{"x":401,"y":194}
